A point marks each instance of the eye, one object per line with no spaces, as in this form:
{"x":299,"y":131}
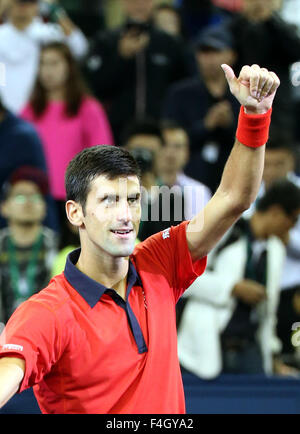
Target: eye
{"x":110,"y":200}
{"x":133,"y":200}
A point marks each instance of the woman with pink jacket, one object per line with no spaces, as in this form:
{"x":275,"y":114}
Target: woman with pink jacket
{"x":66,"y":116}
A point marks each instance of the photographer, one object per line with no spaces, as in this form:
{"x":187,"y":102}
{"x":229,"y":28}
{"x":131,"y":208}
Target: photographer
{"x":130,"y":68}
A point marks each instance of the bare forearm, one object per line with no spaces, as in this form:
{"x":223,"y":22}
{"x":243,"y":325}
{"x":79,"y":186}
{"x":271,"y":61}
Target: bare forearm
{"x":242,"y":175}
{"x":11,"y":375}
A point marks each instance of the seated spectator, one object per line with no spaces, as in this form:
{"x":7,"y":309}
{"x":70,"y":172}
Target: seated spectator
{"x":204,"y":106}
{"x":174,"y":157}
{"x":129,"y":68}
{"x":280,"y":163}
{"x":20,"y":41}
{"x":65,"y":115}
{"x":20,"y":145}
{"x":262,"y":37}
{"x":229,"y":321}
{"x":144,"y":140}
{"x":27,"y":247}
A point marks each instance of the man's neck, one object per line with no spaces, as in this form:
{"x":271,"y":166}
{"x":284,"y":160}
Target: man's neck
{"x":20,"y":25}
{"x":257,"y":226}
{"x":24,"y":235}
{"x":169,"y":178}
{"x":216,"y":85}
{"x":103,"y":268}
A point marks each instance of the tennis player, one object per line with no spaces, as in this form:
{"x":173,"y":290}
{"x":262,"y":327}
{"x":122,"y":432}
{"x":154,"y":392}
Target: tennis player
{"x":101,"y":338}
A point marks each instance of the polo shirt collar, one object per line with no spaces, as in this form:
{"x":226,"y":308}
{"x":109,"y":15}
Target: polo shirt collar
{"x":88,"y":288}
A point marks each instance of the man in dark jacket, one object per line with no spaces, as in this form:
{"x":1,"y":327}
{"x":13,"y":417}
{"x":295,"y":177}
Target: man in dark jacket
{"x":130,"y":68}
{"x":204,"y":106}
{"x":261,"y":36}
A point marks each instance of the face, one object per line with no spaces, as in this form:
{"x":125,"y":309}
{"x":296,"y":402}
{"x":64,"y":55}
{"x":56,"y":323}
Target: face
{"x":209,"y":61}
{"x":280,"y":223}
{"x":110,"y":221}
{"x":257,"y":10}
{"x":24,"y":204}
{"x":23,"y":12}
{"x":167,"y":21}
{"x":278,"y":163}
{"x":54,"y":70}
{"x":175,"y":153}
{"x":139,"y":10}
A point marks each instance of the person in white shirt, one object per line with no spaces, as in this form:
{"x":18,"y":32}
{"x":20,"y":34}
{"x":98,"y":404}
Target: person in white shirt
{"x":173,"y":159}
{"x":21,"y":37}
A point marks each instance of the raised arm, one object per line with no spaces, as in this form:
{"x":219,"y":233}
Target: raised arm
{"x":255,"y":89}
{"x":11,"y":374}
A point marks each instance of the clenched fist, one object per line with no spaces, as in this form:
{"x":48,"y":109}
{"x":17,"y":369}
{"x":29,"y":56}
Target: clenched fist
{"x":255,"y":88}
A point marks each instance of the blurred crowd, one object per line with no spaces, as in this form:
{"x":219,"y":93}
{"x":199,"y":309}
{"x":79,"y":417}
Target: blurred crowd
{"x":146,"y":75}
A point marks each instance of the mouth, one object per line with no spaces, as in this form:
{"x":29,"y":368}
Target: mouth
{"x":122,"y":233}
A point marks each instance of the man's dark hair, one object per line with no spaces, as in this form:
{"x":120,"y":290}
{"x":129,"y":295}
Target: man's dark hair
{"x":111,"y":161}
{"x":281,"y":139}
{"x":283,"y":193}
{"x":145,"y":126}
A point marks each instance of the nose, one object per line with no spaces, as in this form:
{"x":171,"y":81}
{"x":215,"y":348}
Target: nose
{"x":124,"y":212}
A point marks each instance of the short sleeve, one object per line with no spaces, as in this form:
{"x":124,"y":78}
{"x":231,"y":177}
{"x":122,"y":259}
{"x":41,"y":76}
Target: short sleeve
{"x":168,"y":253}
{"x":32,"y":333}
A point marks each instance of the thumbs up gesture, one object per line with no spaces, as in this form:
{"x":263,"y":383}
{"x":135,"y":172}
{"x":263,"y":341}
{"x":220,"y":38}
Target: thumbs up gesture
{"x":255,"y":88}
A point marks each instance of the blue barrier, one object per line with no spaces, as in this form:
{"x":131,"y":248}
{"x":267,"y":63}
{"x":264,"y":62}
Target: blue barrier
{"x":228,"y":394}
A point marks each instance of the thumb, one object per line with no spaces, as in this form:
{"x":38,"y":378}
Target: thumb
{"x":229,"y":74}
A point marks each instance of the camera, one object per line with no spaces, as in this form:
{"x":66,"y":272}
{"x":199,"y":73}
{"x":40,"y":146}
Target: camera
{"x":144,"y":159}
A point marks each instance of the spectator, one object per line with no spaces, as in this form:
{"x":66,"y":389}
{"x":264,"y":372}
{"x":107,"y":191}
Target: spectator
{"x":66,"y":116}
{"x":27,"y":247}
{"x":145,"y":142}
{"x":167,"y":18}
{"x":280,"y":163}
{"x":173,"y":159}
{"x":261,"y":36}
{"x":204,"y":106}
{"x":20,"y":41}
{"x":20,"y":145}
{"x":130,"y":67}
{"x":229,"y":321}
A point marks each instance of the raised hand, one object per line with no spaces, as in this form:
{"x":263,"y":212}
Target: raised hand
{"x":255,"y":88}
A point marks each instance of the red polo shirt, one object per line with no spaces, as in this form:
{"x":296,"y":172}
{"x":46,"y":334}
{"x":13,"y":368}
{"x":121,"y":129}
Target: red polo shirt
{"x":89,"y":351}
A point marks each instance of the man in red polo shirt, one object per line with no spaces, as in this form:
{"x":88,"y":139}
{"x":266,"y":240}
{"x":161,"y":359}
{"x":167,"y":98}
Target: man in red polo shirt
{"x":101,"y":338}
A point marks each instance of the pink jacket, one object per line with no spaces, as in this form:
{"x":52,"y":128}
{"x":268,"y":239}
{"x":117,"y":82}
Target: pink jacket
{"x":63,"y":137}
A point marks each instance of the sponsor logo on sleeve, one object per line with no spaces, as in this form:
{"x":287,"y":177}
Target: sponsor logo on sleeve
{"x":12,"y":347}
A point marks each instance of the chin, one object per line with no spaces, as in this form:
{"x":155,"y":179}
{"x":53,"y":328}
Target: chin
{"x":121,"y":252}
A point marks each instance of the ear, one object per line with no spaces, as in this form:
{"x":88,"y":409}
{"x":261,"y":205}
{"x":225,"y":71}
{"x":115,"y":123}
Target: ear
{"x":3,"y":209}
{"x":74,"y":213}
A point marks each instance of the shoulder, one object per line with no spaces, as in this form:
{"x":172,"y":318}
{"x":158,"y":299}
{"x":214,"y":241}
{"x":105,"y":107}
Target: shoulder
{"x":90,"y":104}
{"x":53,"y":297}
{"x":22,"y":127}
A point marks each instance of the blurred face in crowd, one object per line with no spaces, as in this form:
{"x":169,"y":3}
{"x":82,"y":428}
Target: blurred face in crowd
{"x":168,"y":21}
{"x":175,"y":152}
{"x":54,"y":70}
{"x":258,"y":10}
{"x":139,"y":10}
{"x":210,"y":59}
{"x":278,"y":163}
{"x":24,"y":204}
{"x":22,"y":13}
{"x":279,"y":223}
